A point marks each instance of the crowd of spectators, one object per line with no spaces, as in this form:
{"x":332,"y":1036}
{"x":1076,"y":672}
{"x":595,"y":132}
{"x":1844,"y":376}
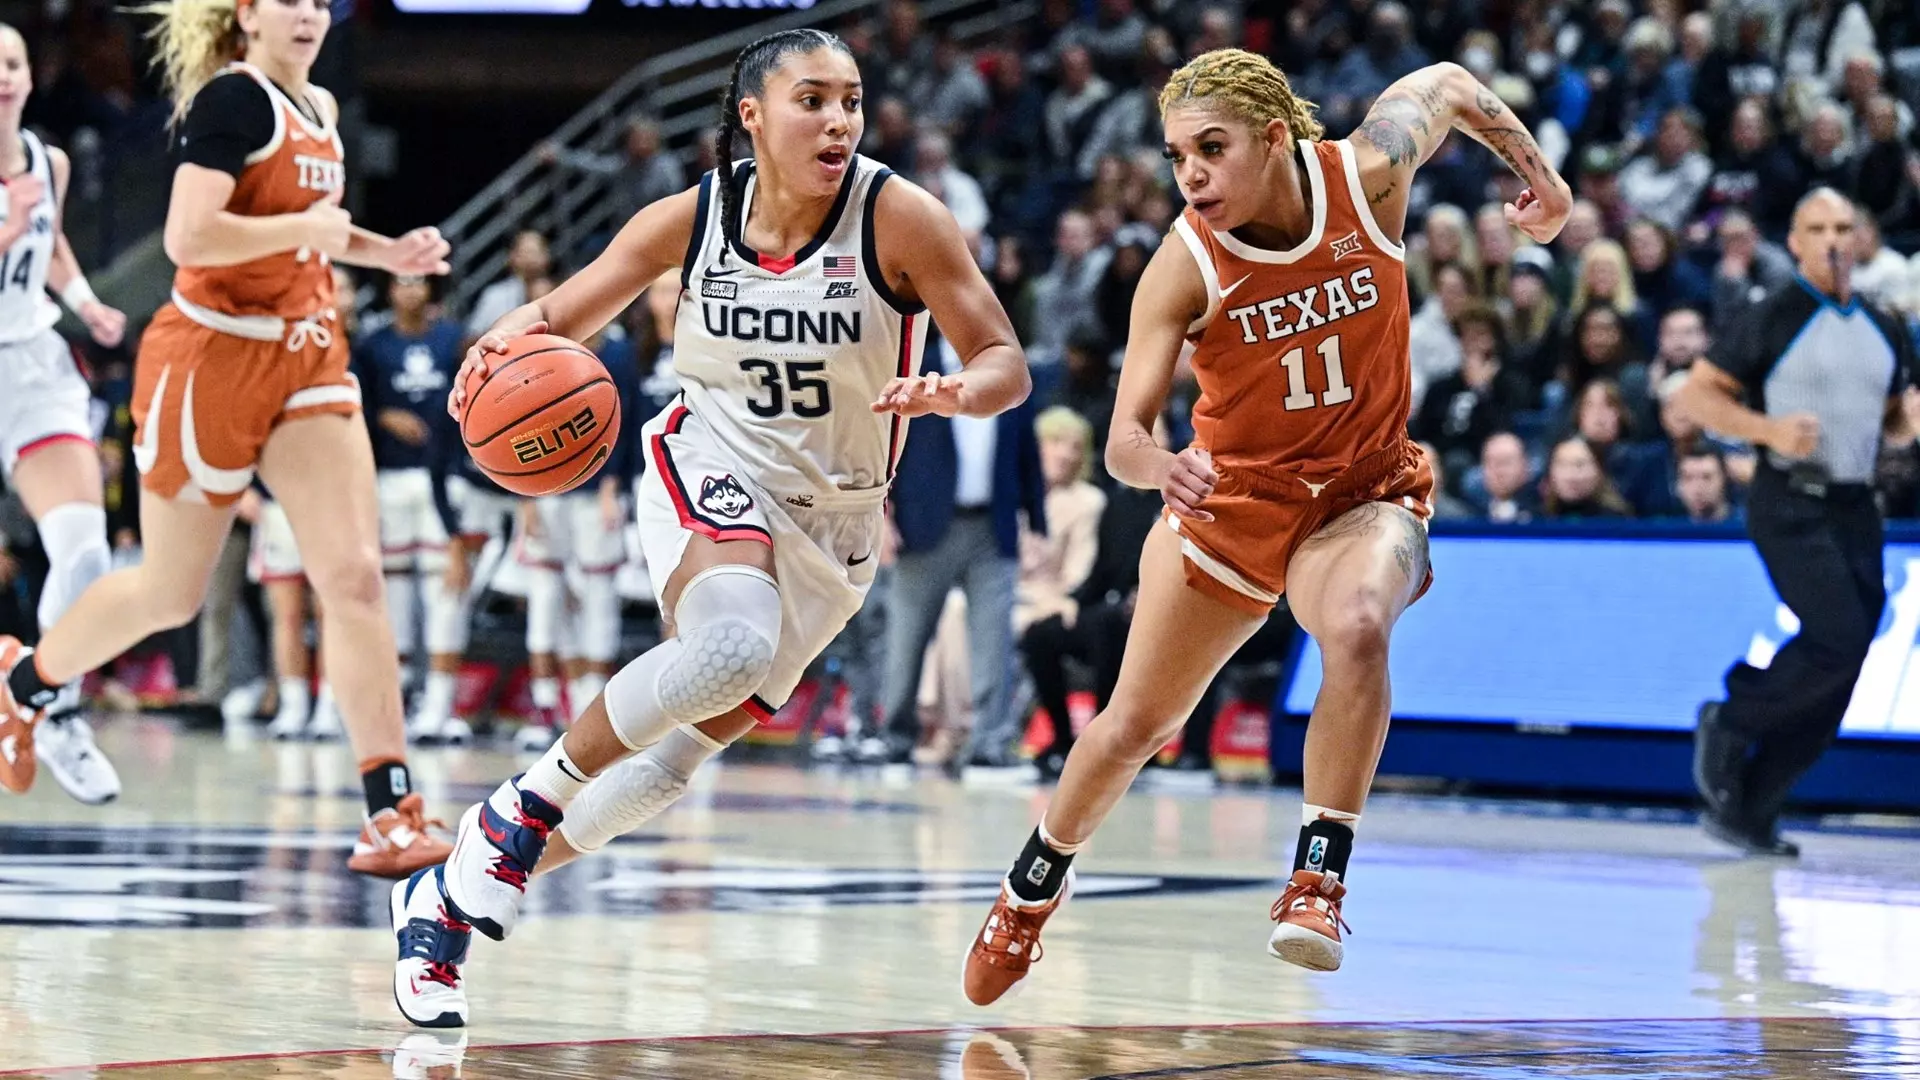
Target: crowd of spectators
{"x":1543,"y":374}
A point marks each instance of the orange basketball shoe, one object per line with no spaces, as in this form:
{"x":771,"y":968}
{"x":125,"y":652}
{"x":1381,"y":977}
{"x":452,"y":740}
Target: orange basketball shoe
{"x":1008,"y":944}
{"x":1310,"y":924}
{"x":18,"y":765}
{"x":395,"y":843}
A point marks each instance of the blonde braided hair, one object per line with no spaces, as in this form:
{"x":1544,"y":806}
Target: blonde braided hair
{"x":1245,"y":85}
{"x":193,"y":40}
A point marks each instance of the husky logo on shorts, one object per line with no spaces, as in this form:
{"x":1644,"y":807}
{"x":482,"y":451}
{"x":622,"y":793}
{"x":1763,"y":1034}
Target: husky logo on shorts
{"x":723,"y":496}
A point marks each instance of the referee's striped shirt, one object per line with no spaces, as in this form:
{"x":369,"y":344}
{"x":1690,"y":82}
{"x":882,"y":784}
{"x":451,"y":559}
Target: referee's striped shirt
{"x":1800,"y":351}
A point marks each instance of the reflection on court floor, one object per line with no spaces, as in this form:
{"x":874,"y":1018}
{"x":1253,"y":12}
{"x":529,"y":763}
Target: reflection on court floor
{"x":203,"y":926}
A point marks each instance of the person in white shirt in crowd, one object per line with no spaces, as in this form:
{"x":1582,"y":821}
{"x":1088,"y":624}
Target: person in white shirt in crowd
{"x":1879,"y":273}
{"x":1665,"y":184}
{"x":933,"y":169}
{"x":1431,"y":341}
{"x":528,"y":261}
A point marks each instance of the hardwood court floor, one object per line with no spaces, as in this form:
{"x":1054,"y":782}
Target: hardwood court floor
{"x":208,"y":915}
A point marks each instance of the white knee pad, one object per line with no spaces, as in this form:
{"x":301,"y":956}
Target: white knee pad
{"x":596,"y":623}
{"x":546,"y":606}
{"x":448,"y":615}
{"x":635,"y":791}
{"x":728,"y":628}
{"x":75,"y":538}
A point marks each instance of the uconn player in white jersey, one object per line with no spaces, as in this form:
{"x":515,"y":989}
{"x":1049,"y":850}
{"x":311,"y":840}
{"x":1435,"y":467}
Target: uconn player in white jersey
{"x":810,"y":275}
{"x":46,"y":423}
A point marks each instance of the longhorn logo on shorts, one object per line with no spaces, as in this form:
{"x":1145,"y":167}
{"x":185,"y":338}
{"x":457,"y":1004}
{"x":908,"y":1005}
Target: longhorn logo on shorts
{"x":723,"y":496}
{"x":534,"y":445}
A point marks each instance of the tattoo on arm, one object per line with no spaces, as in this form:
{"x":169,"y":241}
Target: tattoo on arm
{"x":1380,"y":196}
{"x":1487,"y":103}
{"x":1141,"y":439}
{"x":1516,"y":148}
{"x":1389,"y":126}
{"x":1434,"y":97}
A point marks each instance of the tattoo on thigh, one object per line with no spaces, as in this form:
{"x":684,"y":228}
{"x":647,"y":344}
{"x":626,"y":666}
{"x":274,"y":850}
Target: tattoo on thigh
{"x":1411,"y":552}
{"x":1355,"y":521}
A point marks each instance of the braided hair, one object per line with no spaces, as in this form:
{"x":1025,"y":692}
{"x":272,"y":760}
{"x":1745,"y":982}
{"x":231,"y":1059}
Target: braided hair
{"x":750,"y":70}
{"x":1247,"y":86}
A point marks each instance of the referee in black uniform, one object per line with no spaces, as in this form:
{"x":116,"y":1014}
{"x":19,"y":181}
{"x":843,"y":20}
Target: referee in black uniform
{"x":1811,"y":373}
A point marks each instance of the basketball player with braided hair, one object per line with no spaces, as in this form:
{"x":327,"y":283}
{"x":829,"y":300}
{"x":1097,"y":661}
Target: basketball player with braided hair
{"x":245,"y":371}
{"x":1285,"y":273}
{"x":809,"y":275}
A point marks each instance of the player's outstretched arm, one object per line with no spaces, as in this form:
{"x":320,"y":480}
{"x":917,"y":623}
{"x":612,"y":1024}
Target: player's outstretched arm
{"x":924,"y":258}
{"x":1169,"y":298}
{"x":652,"y":242}
{"x":1411,"y":118}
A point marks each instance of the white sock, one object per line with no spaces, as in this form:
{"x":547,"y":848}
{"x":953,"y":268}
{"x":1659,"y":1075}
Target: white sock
{"x":555,"y":777}
{"x":326,"y":696}
{"x":1310,"y":813}
{"x":437,"y":701}
{"x":546,"y":693}
{"x":582,"y":691}
{"x":295,"y":696}
{"x":1048,"y":839}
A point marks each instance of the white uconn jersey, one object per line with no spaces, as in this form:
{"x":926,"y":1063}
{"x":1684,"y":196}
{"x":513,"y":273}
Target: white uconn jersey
{"x":781,"y":358}
{"x":25,"y":308}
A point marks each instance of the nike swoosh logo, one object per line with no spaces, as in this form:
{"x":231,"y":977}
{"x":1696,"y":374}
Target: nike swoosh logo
{"x":712,"y":273}
{"x":146,"y":452}
{"x":851,"y":561}
{"x":571,"y":773}
{"x":498,"y":836}
{"x":1235,"y":285}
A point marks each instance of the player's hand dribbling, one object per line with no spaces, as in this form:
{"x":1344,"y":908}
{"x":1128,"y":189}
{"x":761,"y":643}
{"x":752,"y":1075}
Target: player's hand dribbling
{"x":1189,"y":482}
{"x":920,"y":395}
{"x":106,"y":325}
{"x":420,"y":252}
{"x":1540,"y":217}
{"x":329,"y":229}
{"x":480,"y":360}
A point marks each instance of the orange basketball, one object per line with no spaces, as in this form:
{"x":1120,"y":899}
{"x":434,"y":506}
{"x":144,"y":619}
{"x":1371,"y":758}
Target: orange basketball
{"x":545,"y":419}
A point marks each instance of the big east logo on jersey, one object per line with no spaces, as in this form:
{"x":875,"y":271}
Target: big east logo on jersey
{"x":320,"y":174}
{"x":1304,"y":309}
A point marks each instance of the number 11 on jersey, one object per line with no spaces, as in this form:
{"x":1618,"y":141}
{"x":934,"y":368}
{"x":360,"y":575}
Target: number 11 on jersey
{"x":1298,"y":396}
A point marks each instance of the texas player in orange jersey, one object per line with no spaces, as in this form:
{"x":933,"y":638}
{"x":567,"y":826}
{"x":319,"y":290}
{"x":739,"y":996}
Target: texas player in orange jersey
{"x":247,"y":370}
{"x":1285,"y":273}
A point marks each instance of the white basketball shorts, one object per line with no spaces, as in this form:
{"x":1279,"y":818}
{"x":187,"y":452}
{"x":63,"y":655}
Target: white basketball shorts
{"x":824,"y":554}
{"x":43,"y":397}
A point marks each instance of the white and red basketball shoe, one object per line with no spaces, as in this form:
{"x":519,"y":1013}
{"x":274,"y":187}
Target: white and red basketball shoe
{"x":499,"y":843}
{"x":433,"y":944}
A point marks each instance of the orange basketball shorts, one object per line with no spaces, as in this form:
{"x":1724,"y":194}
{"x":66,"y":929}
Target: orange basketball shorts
{"x":1261,"y":516}
{"x":209,"y":388}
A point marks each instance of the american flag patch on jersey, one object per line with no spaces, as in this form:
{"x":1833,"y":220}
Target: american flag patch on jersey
{"x":838,"y":266}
